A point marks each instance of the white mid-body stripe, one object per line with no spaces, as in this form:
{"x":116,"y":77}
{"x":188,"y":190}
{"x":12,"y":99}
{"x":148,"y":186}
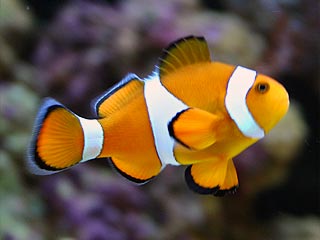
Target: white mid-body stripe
{"x":93,"y":138}
{"x":162,"y":107}
{"x":239,"y":85}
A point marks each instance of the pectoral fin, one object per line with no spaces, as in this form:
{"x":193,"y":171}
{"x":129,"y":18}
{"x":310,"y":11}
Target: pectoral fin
{"x":194,"y":128}
{"x":217,"y":178}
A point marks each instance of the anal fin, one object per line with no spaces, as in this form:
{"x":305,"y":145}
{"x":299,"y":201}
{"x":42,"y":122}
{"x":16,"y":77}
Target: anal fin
{"x":217,"y":178}
{"x":134,"y":173}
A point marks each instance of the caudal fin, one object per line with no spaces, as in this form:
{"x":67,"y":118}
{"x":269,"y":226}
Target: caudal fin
{"x":58,"y":139}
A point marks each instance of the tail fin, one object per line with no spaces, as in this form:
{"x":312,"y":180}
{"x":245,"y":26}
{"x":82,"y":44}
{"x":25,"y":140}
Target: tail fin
{"x":58,"y":139}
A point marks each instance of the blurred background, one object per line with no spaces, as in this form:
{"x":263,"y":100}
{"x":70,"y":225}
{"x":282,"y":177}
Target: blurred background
{"x":75,"y":50}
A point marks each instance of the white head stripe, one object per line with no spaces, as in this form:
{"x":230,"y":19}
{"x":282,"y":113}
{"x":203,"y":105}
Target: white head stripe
{"x":93,"y":138}
{"x":162,"y":107}
{"x":239,"y":85}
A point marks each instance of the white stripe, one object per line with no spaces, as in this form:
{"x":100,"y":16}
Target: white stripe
{"x":93,"y":138}
{"x":162,"y":107}
{"x":239,"y":84}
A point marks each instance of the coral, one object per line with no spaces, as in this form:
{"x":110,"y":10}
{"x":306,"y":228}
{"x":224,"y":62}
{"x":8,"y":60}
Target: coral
{"x":20,"y":208}
{"x":17,"y":219}
{"x":15,"y":129}
{"x":87,"y":202}
{"x":294,"y":228}
{"x":21,"y":23}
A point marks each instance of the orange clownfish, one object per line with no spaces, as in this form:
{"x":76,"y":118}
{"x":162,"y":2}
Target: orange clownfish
{"x":189,"y":111}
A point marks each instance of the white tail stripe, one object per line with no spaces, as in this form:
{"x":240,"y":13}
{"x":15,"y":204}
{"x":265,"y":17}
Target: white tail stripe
{"x":239,"y":85}
{"x":93,"y":138}
{"x":162,"y":107}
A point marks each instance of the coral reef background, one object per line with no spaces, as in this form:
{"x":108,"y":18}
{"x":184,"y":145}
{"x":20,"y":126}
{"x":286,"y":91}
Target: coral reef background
{"x":75,"y":50}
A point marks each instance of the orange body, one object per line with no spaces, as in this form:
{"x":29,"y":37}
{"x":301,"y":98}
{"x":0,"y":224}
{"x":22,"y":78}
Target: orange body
{"x":191,"y":111}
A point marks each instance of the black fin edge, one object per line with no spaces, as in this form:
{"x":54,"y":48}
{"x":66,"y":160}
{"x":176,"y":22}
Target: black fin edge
{"x":127,"y":176}
{"x":171,"y":129}
{"x":174,"y":45}
{"x":216,"y":191}
{"x":100,"y":99}
{"x":35,"y":164}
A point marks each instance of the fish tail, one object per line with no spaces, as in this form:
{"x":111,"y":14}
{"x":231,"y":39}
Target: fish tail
{"x":59,"y":139}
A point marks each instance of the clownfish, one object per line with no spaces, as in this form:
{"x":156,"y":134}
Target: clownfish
{"x":190,"y":111}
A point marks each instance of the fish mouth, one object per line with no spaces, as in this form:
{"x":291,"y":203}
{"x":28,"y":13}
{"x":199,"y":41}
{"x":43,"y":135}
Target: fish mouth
{"x":283,"y":99}
{"x":283,"y":105}
{"x":286,"y":101}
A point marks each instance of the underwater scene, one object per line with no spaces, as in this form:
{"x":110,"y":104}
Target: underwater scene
{"x":75,"y":50}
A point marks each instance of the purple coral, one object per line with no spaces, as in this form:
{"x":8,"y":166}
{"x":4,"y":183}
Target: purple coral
{"x":91,"y":204}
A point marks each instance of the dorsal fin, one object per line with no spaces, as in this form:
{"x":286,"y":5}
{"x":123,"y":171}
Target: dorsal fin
{"x":183,"y":52}
{"x":117,"y":96}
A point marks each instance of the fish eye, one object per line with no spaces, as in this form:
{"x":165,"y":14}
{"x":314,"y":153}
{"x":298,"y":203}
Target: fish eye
{"x":262,"y":87}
